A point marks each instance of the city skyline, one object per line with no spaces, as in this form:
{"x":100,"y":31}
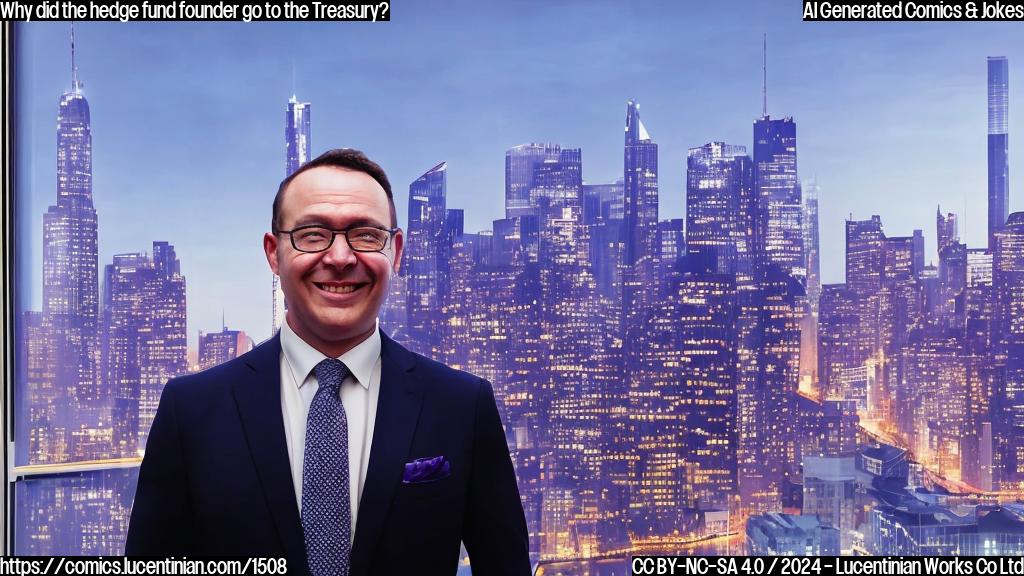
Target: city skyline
{"x":674,"y":114}
{"x":646,"y":367}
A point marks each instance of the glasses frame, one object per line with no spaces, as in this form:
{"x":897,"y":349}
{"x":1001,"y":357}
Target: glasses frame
{"x":334,"y":233}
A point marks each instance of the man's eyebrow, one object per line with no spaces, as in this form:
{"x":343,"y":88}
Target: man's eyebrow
{"x":321,"y":221}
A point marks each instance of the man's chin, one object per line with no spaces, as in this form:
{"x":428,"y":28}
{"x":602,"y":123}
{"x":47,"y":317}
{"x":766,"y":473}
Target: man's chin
{"x":337,"y":333}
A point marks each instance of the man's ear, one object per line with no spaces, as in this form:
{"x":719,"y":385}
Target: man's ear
{"x":397,"y":244}
{"x":270,"y":248}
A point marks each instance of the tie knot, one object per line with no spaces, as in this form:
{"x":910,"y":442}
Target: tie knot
{"x":329,"y":374}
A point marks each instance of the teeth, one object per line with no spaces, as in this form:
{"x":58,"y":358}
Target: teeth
{"x":337,"y":289}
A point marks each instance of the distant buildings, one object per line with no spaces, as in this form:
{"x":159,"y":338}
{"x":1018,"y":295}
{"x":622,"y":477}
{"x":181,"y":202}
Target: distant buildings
{"x":219,"y":347}
{"x":647,"y":371}
{"x":144,"y":320}
{"x":92,"y":366}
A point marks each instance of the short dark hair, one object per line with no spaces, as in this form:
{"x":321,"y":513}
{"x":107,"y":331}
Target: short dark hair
{"x":345,"y":158}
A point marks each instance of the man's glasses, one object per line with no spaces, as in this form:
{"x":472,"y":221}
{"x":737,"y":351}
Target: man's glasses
{"x":316,"y":238}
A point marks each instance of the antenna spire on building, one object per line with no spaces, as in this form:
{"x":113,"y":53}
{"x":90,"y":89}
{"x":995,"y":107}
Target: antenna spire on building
{"x":764,"y":75}
{"x":74,"y":67}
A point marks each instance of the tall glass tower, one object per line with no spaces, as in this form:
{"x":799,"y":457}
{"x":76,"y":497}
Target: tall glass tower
{"x":70,"y":252}
{"x":640,"y":222}
{"x":812,"y":256}
{"x":998,"y":145}
{"x":422,"y":265}
{"x":297,"y":145}
{"x":779,"y":193}
{"x":719,"y":178}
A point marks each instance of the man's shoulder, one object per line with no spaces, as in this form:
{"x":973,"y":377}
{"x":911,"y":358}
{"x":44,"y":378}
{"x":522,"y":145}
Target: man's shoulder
{"x":219,"y":379}
{"x":434,"y":375}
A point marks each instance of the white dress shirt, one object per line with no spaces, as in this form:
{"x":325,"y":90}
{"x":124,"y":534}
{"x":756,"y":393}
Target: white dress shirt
{"x":359,"y":393}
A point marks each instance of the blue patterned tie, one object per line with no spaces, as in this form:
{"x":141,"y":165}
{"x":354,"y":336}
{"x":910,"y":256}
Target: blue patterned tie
{"x":326,"y":508}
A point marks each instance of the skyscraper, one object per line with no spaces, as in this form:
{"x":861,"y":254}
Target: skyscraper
{"x":1008,"y":396}
{"x":998,"y":145}
{"x":812,"y":258}
{"x":945,"y":229}
{"x":422,"y":266}
{"x":719,"y":180}
{"x":683,"y":401}
{"x":779,"y":194}
{"x":519,"y":163}
{"x":812,"y":255}
{"x":603,"y":214}
{"x":540,"y":170}
{"x":296,"y":134}
{"x":144,"y":312}
{"x":640,"y":217}
{"x":297,"y":153}
{"x":68,"y":331}
{"x":865,"y":245}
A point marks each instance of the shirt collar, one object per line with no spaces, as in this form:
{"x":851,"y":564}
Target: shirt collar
{"x":302,"y":357}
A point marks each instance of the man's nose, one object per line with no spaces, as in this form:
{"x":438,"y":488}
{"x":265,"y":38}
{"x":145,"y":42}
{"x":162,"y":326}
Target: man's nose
{"x":340,"y":253}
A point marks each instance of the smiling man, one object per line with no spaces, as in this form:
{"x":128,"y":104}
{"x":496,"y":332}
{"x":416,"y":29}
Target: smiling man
{"x":330,"y":445}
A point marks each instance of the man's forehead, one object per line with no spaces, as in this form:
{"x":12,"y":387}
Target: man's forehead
{"x":335,"y":178}
{"x":330,"y":184}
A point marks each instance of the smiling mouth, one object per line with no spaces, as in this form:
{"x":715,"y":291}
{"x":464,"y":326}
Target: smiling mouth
{"x":338,"y":289}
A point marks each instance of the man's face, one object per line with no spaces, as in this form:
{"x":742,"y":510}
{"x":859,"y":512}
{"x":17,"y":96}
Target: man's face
{"x":333,"y":296}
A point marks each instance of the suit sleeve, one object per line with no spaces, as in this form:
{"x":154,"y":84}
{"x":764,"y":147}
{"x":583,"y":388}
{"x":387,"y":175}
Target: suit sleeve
{"x":495,"y":534}
{"x":160,"y":518}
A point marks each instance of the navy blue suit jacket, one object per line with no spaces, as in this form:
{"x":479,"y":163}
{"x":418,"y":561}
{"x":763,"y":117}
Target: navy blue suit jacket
{"x":215,"y":479}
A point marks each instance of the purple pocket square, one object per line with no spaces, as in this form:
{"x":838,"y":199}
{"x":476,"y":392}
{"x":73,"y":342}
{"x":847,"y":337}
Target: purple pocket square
{"x":426,"y":469}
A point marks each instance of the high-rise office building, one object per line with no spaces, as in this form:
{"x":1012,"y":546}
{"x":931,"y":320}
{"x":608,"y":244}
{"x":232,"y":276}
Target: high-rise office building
{"x":558,"y":177}
{"x":603,"y":206}
{"x":297,"y":152}
{"x":719,"y":182}
{"x":931,"y":410}
{"x":672,"y":243}
{"x":683,"y":401}
{"x":865,"y":255}
{"x":540,"y":170}
{"x":296,"y":134}
{"x":640,"y":218}
{"x":812,"y":255}
{"x":423,"y":267}
{"x":68,"y":329}
{"x":945,"y":229}
{"x":1008,"y":395}
{"x":844,"y":346}
{"x":144,"y":315}
{"x":519,"y":170}
{"x":998,"y":145}
{"x":809,"y":382}
{"x":779,"y":194}
{"x":781,"y":301}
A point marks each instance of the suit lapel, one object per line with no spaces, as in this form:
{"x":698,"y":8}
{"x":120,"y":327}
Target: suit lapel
{"x":398,"y":408}
{"x":258,"y":398}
